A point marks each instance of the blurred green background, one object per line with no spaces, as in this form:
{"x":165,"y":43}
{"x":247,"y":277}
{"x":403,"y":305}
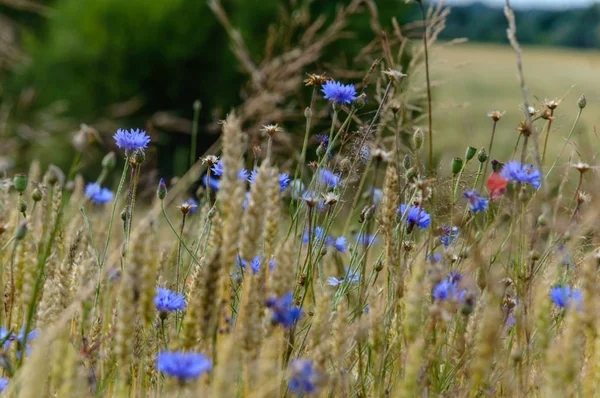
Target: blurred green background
{"x":115,"y":63}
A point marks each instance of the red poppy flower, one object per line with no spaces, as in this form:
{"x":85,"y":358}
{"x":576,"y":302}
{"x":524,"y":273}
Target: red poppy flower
{"x":496,"y":185}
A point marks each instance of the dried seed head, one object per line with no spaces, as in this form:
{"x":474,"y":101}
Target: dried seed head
{"x":546,"y":114}
{"x":582,"y":167}
{"x":583,"y":198}
{"x":315,"y":80}
{"x":381,"y":155}
{"x":396,"y":106}
{"x":210,"y":160}
{"x":311,"y":201}
{"x":331,"y":198}
{"x":394,"y":75}
{"x":530,"y":109}
{"x":271,"y":129}
{"x":551,"y":104}
{"x":496,"y":115}
{"x":186,"y":207}
{"x":524,"y":128}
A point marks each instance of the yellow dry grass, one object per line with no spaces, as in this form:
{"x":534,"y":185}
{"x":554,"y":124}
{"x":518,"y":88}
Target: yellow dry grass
{"x":473,"y":79}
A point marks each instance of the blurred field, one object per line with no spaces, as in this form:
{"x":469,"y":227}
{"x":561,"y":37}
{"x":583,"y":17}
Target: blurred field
{"x":474,"y":79}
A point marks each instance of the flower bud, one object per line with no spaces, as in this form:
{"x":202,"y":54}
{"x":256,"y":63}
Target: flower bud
{"x":197,"y":106}
{"x":482,"y":155}
{"x":161,"y":192}
{"x":20,"y":182}
{"x":406,"y":162}
{"x":21,"y":231}
{"x":22,"y":206}
{"x":36,"y":195}
{"x":418,"y":137}
{"x":360,"y":101}
{"x":321,"y":151}
{"x":411,"y":173}
{"x":109,"y":161}
{"x":581,"y":102}
{"x":470,"y":153}
{"x":542,"y":220}
{"x":308,"y":112}
{"x":139,"y":156}
{"x":457,"y":165}
{"x":337,"y":106}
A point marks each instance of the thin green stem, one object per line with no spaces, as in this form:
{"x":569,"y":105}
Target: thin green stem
{"x":114,"y":209}
{"x":565,"y":144}
{"x":430,"y":118}
{"x":489,"y":153}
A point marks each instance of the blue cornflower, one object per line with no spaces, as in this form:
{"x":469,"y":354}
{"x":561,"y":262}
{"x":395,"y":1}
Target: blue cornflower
{"x":284,"y":312}
{"x":182,"y":365}
{"x":303,"y":378}
{"x":476,"y":202}
{"x":447,"y":288}
{"x":3,"y":384}
{"x":97,"y":194}
{"x":217,"y":168}
{"x":365,"y":239}
{"x":211,"y":182}
{"x":284,"y":181}
{"x":167,"y":301}
{"x":377,"y":195}
{"x":564,"y":297}
{"x":435,"y":259}
{"x":317,"y":235}
{"x":328,"y":178}
{"x":364,"y":154}
{"x":6,"y":337}
{"x":20,"y":338}
{"x":338,"y":92}
{"x":449,"y":235}
{"x":323,"y":139}
{"x":339,"y":244}
{"x":515,"y":171}
{"x":351,"y":278}
{"x":131,"y":140}
{"x":415,"y":216}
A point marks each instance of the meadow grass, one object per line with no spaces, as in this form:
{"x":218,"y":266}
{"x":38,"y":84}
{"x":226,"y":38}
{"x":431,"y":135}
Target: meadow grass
{"x":364,"y":273}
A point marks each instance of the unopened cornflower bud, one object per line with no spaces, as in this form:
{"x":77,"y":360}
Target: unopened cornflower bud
{"x":20,"y":182}
{"x":542,"y":220}
{"x":418,"y":138}
{"x":406,"y":162}
{"x":360,"y":101}
{"x":496,"y":166}
{"x":22,"y":206}
{"x":36,"y":195}
{"x":581,"y":102}
{"x":161,"y":192}
{"x":457,"y":165}
{"x":470,"y":153}
{"x":197,"y":105}
{"x":109,"y":161}
{"x":308,"y":113}
{"x":21,"y":231}
{"x":482,"y":155}
{"x":140,"y":156}
{"x":411,"y":173}
{"x":321,"y":151}
{"x":345,"y":164}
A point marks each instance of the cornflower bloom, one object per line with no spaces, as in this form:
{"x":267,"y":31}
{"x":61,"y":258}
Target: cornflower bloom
{"x":328,"y":178}
{"x":366,"y":239}
{"x":3,"y":384}
{"x":339,"y":243}
{"x":447,"y":289}
{"x":217,"y":170}
{"x":415,"y":216}
{"x":182,"y":365}
{"x":303,"y":378}
{"x":476,"y":202}
{"x":351,"y":278}
{"x":168,"y":301}
{"x":338,"y":92}
{"x":284,"y":179}
{"x":284,"y":313}
{"x":97,"y":194}
{"x":564,"y":297}
{"x":131,"y":140}
{"x":449,"y":235}
{"x":515,"y":171}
